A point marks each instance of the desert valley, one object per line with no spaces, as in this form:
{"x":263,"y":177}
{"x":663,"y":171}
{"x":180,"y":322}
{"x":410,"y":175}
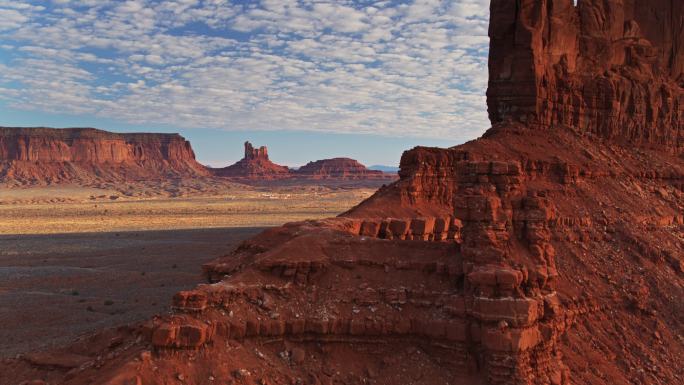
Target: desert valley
{"x":548,"y":251}
{"x":88,"y":180}
{"x":98,"y":229}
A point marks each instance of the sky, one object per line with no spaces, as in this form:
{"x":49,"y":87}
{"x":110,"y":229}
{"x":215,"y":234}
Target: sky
{"x":310,"y":79}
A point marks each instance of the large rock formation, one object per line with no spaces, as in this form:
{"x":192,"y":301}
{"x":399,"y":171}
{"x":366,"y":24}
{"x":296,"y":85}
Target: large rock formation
{"x":535,"y":255}
{"x":257,"y":167}
{"x":338,"y":168}
{"x":613,"y":68}
{"x":254,"y":166}
{"x":87,"y":156}
{"x":84,"y":155}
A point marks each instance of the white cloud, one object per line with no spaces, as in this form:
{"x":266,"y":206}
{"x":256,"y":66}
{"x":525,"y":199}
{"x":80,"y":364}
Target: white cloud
{"x":416,"y":69}
{"x":13,"y":15}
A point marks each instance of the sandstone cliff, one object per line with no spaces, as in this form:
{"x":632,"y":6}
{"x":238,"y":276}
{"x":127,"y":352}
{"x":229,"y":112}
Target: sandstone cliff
{"x":338,"y":168}
{"x":611,"y":68}
{"x":567,"y":213}
{"x":86,"y":155}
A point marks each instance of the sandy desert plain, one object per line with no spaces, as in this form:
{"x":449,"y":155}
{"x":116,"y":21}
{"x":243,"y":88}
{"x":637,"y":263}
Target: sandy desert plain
{"x":73,"y":209}
{"x":90,"y":258}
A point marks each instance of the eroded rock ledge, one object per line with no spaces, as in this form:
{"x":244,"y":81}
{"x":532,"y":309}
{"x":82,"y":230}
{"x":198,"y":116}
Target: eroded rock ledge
{"x":480,"y":282}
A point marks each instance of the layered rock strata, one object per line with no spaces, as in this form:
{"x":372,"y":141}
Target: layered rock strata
{"x":493,"y":314}
{"x":46,"y":155}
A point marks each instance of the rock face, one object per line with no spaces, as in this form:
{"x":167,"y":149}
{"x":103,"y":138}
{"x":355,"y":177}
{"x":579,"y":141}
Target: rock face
{"x":252,"y":153}
{"x":534,"y":255}
{"x":254,"y":166}
{"x":539,"y":215}
{"x":46,"y":155}
{"x":338,"y":168}
{"x":611,"y":68}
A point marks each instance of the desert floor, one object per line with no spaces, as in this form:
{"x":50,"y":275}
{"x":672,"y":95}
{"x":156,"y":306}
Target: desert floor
{"x":56,"y":210}
{"x":58,"y":286}
{"x":74,"y":260}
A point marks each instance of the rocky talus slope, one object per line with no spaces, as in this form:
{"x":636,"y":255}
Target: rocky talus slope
{"x":86,"y":155}
{"x":549,"y":251}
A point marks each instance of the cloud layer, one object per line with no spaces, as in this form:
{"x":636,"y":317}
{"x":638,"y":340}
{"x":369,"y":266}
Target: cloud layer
{"x":386,"y":67}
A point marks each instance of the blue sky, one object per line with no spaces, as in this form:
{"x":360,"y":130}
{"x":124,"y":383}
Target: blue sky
{"x":309,"y":79}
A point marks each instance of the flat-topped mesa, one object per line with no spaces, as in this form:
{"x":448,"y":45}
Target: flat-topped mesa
{"x":90,"y":145}
{"x":39,"y":154}
{"x":339,"y":168}
{"x":611,"y":68}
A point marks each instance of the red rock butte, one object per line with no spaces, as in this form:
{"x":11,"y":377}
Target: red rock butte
{"x":39,"y":155}
{"x":549,"y":251}
{"x":47,"y":155}
{"x":254,"y":166}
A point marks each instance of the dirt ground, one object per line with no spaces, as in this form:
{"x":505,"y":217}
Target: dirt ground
{"x":64,"y":209}
{"x":54,"y":288}
{"x":74,"y":260}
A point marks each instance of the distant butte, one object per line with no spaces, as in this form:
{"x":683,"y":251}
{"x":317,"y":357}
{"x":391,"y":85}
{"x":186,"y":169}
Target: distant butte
{"x":339,"y":168}
{"x":88,"y":156}
{"x":255,"y":165}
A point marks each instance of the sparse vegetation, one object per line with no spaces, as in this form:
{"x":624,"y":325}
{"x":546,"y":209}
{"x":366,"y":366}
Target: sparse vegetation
{"x":29,"y":214}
